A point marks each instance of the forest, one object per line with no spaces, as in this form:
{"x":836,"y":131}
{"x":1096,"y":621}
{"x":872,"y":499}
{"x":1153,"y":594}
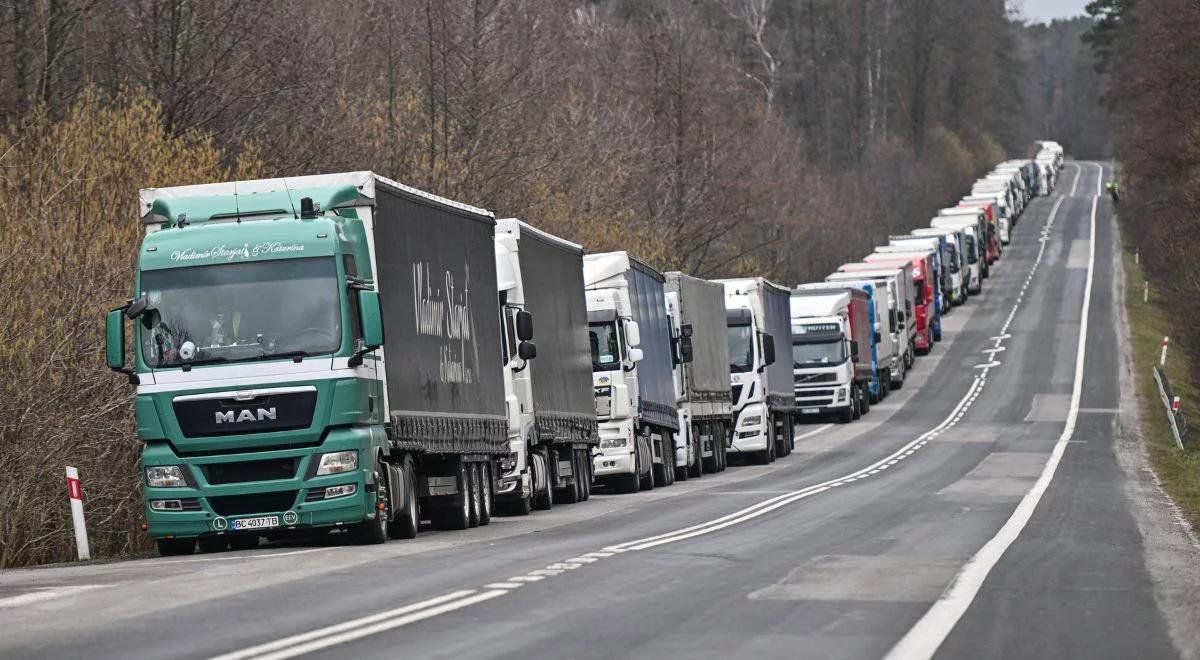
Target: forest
{"x":720,"y":137}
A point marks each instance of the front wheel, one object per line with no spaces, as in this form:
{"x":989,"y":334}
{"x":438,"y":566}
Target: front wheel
{"x":407,"y":523}
{"x":374,"y":531}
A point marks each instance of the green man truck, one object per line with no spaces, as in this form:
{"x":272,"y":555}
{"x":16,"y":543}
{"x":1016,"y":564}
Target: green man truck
{"x":265,"y":398}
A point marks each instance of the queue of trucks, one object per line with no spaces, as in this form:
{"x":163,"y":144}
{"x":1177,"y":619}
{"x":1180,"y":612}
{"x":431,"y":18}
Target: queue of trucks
{"x":344,"y":353}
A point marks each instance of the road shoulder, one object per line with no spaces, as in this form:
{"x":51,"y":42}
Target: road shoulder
{"x":1170,"y":545}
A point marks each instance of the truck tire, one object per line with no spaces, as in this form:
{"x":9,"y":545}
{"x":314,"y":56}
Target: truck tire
{"x":845,"y":416}
{"x":725,"y":432}
{"x":374,"y":531}
{"x":682,"y":473}
{"x":645,"y":466}
{"x":405,"y":524}
{"x":864,"y":398}
{"x":712,"y":464}
{"x":458,"y":515}
{"x":570,"y":493}
{"x":585,"y":462}
{"x":874,"y":396}
{"x":475,"y":491}
{"x":665,"y":473}
{"x":520,"y":507}
{"x":543,"y":498}
{"x":855,"y":403}
{"x":488,"y":500}
{"x":212,"y":544}
{"x":175,"y":547}
{"x":696,"y":467}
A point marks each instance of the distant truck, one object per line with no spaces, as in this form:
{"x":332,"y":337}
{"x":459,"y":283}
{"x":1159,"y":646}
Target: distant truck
{"x":903,"y":273}
{"x":969,"y":235}
{"x":1000,"y":211}
{"x":831,"y":351}
{"x":891,"y":282}
{"x":949,"y":276}
{"x":928,"y":303}
{"x":990,"y":243}
{"x":696,"y":309}
{"x":630,"y":339}
{"x":264,"y":396}
{"x":956,"y":240}
{"x":551,"y":408}
{"x":757,"y":323}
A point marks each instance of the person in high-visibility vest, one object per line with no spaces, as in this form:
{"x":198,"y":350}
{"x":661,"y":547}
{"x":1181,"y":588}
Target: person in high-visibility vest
{"x":1114,"y":191}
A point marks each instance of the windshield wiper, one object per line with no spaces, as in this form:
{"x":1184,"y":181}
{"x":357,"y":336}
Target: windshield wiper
{"x":187,"y":366}
{"x":297,"y":356}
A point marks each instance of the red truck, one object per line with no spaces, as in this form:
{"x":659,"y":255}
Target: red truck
{"x":923,"y":307}
{"x":992,"y":214}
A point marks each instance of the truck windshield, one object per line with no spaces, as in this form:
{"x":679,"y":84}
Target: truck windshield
{"x":807,"y":354}
{"x":242,"y":311}
{"x":951,"y":257}
{"x":919,"y":285}
{"x":972,"y":255}
{"x":741,"y":348}
{"x":606,"y":346}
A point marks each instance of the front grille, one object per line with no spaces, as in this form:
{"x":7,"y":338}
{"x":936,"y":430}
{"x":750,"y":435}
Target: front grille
{"x":816,"y":403}
{"x":815,"y":378}
{"x":737,"y":393}
{"x":199,"y":418}
{"x":807,"y":393}
{"x":236,"y":505}
{"x":242,"y":472}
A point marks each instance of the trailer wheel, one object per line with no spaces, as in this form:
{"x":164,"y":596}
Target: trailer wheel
{"x":405,"y":524}
{"x":570,"y":493}
{"x":865,"y":398}
{"x":585,"y":462}
{"x":175,"y":547}
{"x":712,"y":464}
{"x":645,"y":464}
{"x":696,"y":467}
{"x":458,"y":515}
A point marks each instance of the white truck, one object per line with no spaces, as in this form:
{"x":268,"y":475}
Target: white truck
{"x":630,"y":339}
{"x":899,"y":307}
{"x":949,"y":274}
{"x":763,"y":403}
{"x":831,"y":351}
{"x":1004,"y":222}
{"x":968,"y":229}
{"x":886,"y":356}
{"x":957,"y":241}
{"x":550,"y":407}
{"x":696,"y":310}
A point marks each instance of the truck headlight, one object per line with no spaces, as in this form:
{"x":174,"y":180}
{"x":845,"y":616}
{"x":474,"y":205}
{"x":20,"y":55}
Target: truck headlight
{"x":752,"y":420}
{"x":165,"y":476}
{"x":841,"y":395}
{"x":614,"y":443}
{"x":337,"y":462}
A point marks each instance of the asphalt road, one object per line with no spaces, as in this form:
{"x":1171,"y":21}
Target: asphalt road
{"x":985,"y":510}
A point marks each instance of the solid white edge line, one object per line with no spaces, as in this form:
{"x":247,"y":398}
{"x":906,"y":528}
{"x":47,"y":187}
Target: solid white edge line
{"x":359,"y":633}
{"x":254,"y":651}
{"x":926,"y":637}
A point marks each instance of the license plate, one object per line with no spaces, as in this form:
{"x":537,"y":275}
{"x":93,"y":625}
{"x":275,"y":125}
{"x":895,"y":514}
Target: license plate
{"x":810,"y":411}
{"x":262,"y":522}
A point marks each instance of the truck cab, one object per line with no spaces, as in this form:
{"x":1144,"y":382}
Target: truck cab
{"x":973,"y":257}
{"x":926,"y":278}
{"x":832,"y":371}
{"x":898,"y":311}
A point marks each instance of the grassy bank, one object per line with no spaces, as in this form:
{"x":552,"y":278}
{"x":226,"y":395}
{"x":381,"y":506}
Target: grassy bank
{"x":1178,"y":470}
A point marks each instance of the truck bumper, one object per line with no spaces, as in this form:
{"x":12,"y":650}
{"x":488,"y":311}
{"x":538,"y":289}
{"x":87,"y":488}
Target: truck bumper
{"x":203,"y":508}
{"x":616,"y":449}
{"x":514,"y":487}
{"x":819,"y":401}
{"x":750,"y":434}
{"x":921,"y":341}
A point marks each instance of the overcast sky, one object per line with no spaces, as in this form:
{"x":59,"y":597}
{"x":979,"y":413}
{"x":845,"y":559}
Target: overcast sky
{"x":1042,"y":11}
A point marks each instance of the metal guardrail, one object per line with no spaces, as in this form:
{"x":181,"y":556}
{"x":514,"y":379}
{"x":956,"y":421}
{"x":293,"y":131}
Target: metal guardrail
{"x":1174,"y":411}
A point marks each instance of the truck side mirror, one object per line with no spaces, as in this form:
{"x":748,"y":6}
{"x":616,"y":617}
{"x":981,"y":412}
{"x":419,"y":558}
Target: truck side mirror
{"x":635,"y":356}
{"x":768,"y":346}
{"x":524,"y":326}
{"x":685,"y":330}
{"x":685,"y":348}
{"x":527,"y":350}
{"x":114,"y":343}
{"x":633,"y":335}
{"x":371,"y":315}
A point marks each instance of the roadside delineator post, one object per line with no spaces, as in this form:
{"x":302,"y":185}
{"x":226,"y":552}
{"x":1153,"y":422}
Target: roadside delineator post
{"x":1162,"y":360}
{"x":1175,"y":404}
{"x":1146,"y":292}
{"x":1137,"y":256}
{"x":75,"y":493}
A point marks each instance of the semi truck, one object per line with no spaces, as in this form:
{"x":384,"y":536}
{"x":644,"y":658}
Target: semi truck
{"x":957,"y":241}
{"x":757,"y":321}
{"x":891,"y":283}
{"x":926,"y":276}
{"x":907,"y":300}
{"x":696,"y":310}
{"x":999,"y":210}
{"x":264,"y":396}
{"x":968,"y":232}
{"x":630,"y":340}
{"x":550,"y":405}
{"x":989,"y":245}
{"x":831,"y":351}
{"x":945,"y":260}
